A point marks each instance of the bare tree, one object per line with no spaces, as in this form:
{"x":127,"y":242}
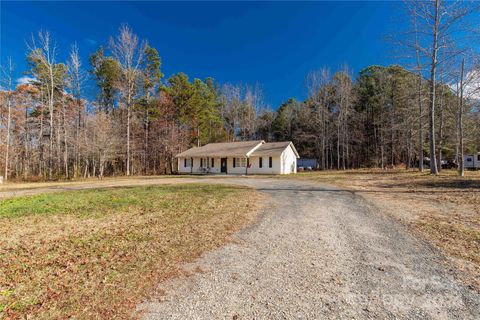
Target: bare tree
{"x":419,"y":95}
{"x":461,"y":169}
{"x":317,"y":86}
{"x":231,"y":100}
{"x":76,"y":80}
{"x":254,"y":103}
{"x":437,"y":26}
{"x":433,"y":70}
{"x":49,"y":76}
{"x":8,"y":82}
{"x":240,"y":107}
{"x":343,"y":93}
{"x":468,"y":90}
{"x":130,"y":53}
{"x":103,"y":144}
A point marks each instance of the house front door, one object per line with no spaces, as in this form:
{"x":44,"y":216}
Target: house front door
{"x":223,"y":165}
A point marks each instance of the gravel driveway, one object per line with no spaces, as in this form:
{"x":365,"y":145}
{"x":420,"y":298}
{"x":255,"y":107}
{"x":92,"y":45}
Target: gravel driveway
{"x":316,"y":253}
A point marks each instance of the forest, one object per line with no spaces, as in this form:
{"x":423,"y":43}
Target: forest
{"x":399,"y":115}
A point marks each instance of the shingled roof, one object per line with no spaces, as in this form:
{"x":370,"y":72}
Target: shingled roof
{"x":224,"y":149}
{"x":273,"y":149}
{"x":238,"y":149}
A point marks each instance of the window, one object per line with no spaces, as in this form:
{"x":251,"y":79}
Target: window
{"x":239,"y":162}
{"x":203,"y":162}
{"x":469,"y":159}
{"x":213,"y":162}
{"x":260,"y":162}
{"x":478,"y":157}
{"x":270,"y":162}
{"x":187,"y":163}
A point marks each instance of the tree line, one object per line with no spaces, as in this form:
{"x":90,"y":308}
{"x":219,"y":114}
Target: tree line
{"x":135,"y":125}
{"x":384,"y":116}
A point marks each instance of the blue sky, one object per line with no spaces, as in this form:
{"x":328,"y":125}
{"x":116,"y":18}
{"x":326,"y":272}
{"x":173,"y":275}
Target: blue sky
{"x":274,"y":44}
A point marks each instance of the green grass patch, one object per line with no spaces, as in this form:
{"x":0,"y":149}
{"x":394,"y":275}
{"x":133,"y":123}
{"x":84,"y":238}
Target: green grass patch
{"x":95,"y":202}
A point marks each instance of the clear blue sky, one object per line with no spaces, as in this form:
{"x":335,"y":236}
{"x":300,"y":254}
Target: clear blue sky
{"x":274,"y":43}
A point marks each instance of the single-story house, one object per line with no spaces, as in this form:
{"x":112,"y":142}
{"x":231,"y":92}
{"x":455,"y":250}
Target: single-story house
{"x":471,"y":161}
{"x":245,"y":157}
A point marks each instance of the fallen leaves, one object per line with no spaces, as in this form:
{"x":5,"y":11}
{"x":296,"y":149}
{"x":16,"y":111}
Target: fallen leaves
{"x":96,"y":262}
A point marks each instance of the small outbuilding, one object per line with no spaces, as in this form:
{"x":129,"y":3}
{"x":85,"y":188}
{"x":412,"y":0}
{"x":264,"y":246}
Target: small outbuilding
{"x":245,"y":157}
{"x":307,"y":164}
{"x":471,"y":161}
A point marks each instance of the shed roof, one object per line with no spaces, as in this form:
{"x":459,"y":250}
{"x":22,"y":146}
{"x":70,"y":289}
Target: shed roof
{"x":224,"y":149}
{"x":273,"y":149}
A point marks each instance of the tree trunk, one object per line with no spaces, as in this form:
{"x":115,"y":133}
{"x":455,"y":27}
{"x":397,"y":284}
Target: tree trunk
{"x":50,"y":151}
{"x":392,"y":131}
{"x":198,"y":135}
{"x":41,"y":168}
{"x":461,"y":168}
{"x":50,"y":107}
{"x":65,"y":143}
{"x":338,"y":145}
{"x":77,"y":138}
{"x":128,"y":138}
{"x":440,"y":137}
{"x":433,"y":69}
{"x":9,"y":106}
{"x":145,"y":147}
{"x":25,"y":145}
{"x":419,"y":100}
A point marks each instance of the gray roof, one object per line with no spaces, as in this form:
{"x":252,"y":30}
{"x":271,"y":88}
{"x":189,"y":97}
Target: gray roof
{"x":273,"y":149}
{"x":224,"y":149}
{"x":238,"y":149}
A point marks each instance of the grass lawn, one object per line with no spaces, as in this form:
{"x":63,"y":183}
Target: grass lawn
{"x":443,"y":209}
{"x":97,"y":253}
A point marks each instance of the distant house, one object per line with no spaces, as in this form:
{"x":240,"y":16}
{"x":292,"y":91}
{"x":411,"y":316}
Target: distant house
{"x":471,"y":161}
{"x":246,"y":157}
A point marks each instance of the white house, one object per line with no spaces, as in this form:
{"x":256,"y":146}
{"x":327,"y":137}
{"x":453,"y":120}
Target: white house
{"x":471,"y":161}
{"x":246,"y":157}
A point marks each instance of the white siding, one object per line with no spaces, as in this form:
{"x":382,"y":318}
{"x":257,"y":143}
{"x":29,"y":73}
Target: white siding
{"x":181,"y":166}
{"x":265,"y":169}
{"x":196,"y":165}
{"x":474,"y":161}
{"x":284,"y":164}
{"x":289,"y":161}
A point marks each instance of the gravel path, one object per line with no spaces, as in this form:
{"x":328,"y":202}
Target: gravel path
{"x":316,"y":253}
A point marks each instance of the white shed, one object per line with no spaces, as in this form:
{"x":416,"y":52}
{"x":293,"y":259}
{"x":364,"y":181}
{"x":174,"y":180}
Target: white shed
{"x":245,"y":157}
{"x":471,"y":161}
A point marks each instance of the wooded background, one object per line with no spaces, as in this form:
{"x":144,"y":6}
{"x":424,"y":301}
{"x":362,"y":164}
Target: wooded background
{"x":384,"y":116}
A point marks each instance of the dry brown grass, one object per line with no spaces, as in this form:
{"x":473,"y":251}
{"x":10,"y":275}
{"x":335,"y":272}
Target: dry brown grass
{"x":89,"y":263}
{"x":30,"y":185}
{"x":443,"y":209}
